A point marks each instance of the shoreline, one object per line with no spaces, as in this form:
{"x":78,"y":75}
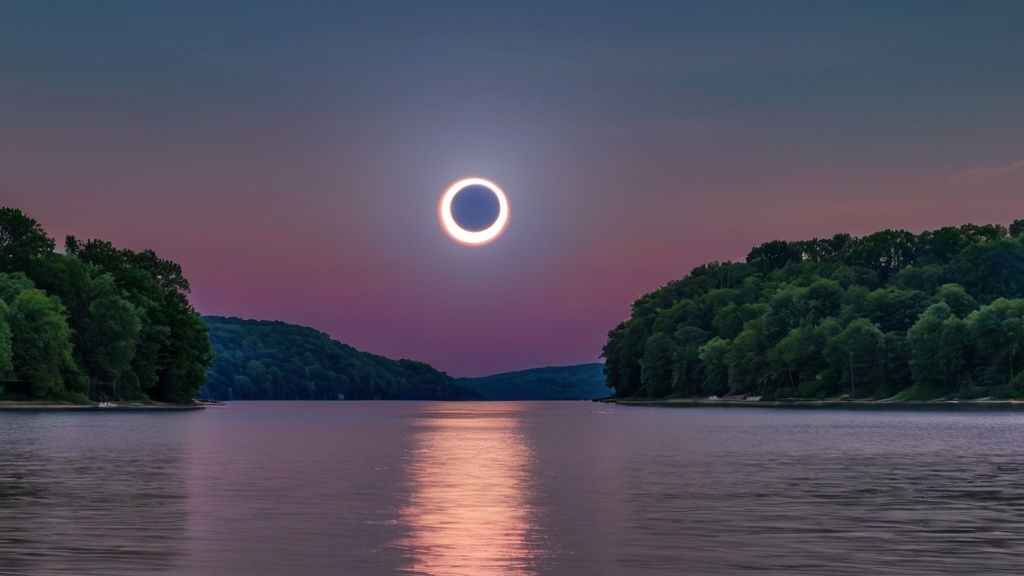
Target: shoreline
{"x":811,"y":404}
{"x":17,"y":405}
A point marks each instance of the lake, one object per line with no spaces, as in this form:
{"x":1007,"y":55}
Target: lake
{"x":481,"y":488}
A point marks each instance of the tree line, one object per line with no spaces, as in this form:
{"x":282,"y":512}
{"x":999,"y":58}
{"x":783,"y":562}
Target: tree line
{"x":94,"y":323}
{"x":888,"y":315}
{"x":273,"y":360}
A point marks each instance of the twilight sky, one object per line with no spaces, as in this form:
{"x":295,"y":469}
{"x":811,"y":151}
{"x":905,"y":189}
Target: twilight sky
{"x":291,"y":155}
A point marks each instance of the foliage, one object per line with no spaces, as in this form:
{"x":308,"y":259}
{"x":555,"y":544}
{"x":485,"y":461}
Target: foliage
{"x":22,"y":241}
{"x":264,"y":360}
{"x":582,"y":382}
{"x":96,"y":322}
{"x":939,"y":314}
{"x":41,"y":344}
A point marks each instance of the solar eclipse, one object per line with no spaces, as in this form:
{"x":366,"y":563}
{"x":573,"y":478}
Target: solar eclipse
{"x":462,"y":234}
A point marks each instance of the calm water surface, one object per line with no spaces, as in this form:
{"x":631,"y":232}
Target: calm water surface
{"x":510,"y":488}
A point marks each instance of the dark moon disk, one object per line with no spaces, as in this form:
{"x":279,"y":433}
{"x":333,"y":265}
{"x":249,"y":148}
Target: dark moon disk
{"x":475,"y":208}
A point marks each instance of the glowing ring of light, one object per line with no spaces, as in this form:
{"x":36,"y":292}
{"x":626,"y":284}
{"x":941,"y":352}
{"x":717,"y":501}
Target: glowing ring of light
{"x":470,"y":237}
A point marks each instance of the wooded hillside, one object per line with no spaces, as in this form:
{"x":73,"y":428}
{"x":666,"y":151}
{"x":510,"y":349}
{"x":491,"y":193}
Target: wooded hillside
{"x":269,"y":360}
{"x":939,"y":314}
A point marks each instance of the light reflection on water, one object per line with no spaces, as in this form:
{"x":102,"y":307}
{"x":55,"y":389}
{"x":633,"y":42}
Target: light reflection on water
{"x":322,"y":488}
{"x":469,"y":510}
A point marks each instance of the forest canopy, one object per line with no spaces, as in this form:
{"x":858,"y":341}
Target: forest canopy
{"x":889,"y":315}
{"x":94,"y":323}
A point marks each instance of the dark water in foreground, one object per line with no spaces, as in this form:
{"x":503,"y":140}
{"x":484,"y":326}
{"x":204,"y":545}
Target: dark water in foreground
{"x":511,"y":488}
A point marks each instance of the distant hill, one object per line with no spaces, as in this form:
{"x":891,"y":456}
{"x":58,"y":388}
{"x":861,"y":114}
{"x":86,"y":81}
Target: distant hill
{"x":265,"y":360}
{"x":582,"y":382}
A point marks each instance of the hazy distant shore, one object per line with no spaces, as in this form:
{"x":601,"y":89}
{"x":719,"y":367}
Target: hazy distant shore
{"x":833,"y":403}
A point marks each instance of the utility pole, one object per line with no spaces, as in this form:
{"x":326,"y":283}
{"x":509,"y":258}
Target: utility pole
{"x":853,"y":388}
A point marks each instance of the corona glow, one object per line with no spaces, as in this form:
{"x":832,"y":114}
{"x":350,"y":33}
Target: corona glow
{"x":471,"y":237}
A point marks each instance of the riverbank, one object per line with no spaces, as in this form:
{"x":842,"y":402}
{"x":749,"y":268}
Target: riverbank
{"x":119,"y":406}
{"x":830,"y":403}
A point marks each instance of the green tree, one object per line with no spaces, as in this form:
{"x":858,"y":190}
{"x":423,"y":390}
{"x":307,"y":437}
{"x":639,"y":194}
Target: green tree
{"x":937,"y":344}
{"x":825,"y":299}
{"x":799,"y":359}
{"x":790,"y":307}
{"x":623,"y":352}
{"x":11,"y":285}
{"x":894,"y":309}
{"x":921,"y":278}
{"x":897,"y":363}
{"x":748,"y":366}
{"x":730,"y":319}
{"x":716,"y":368}
{"x":41,"y":345}
{"x":6,"y":352}
{"x":997,"y":335}
{"x":856,"y":357}
{"x":190,"y":356}
{"x":958,"y":300}
{"x":22,"y":241}
{"x":1017,"y":229}
{"x":109,"y":339}
{"x":173,"y":352}
{"x":773,"y":255}
{"x":886,"y":252}
{"x":687,"y":371}
{"x":938,"y":247}
{"x":656,"y":366}
{"x":827,"y":250}
{"x":989,"y":271}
